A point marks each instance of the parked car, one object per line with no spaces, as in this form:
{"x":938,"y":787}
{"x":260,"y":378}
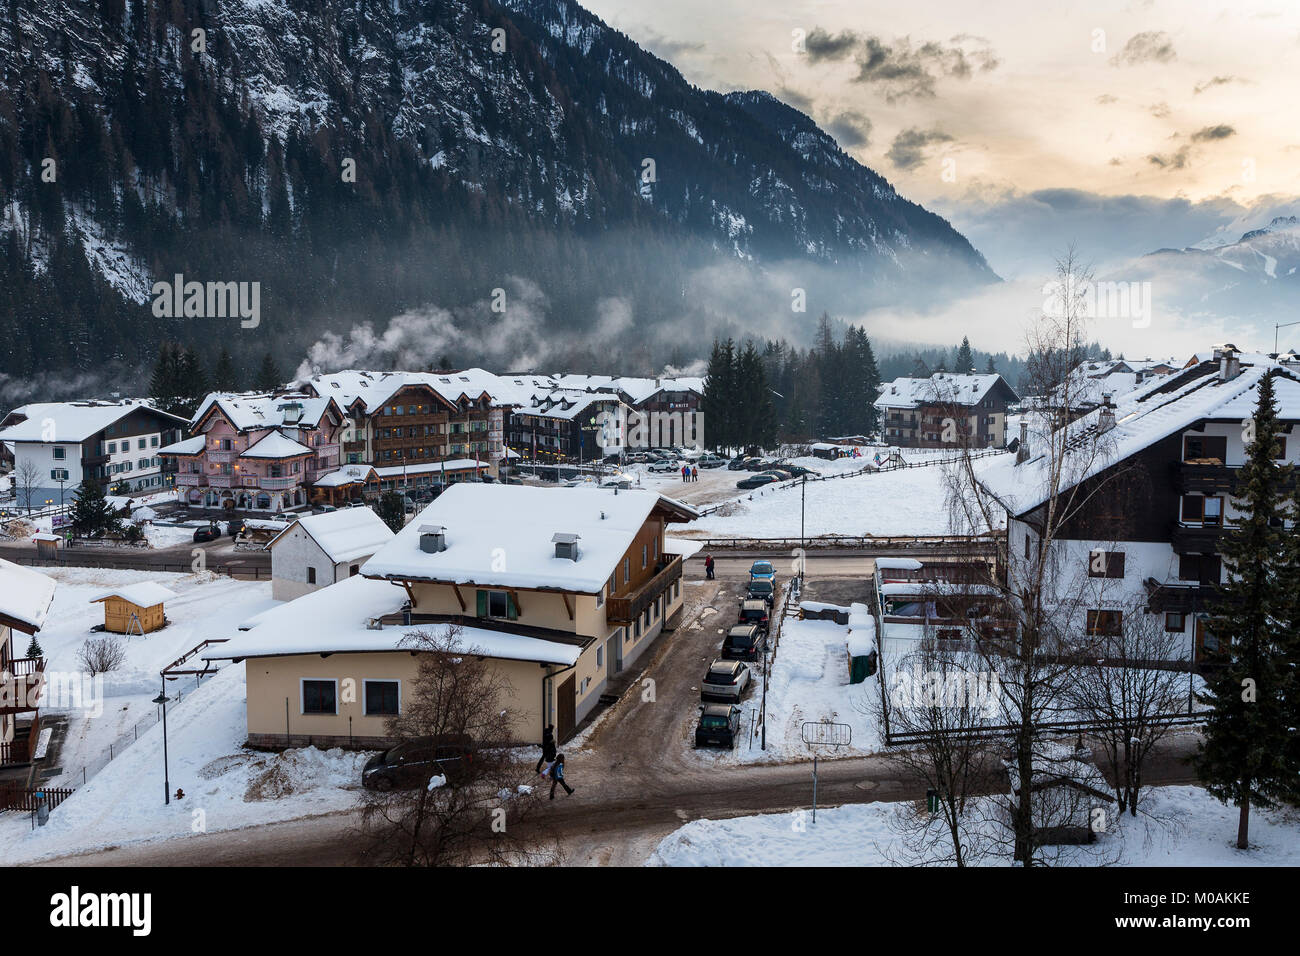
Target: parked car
{"x":756,"y":464}
{"x":664,"y":466}
{"x":725,"y":680}
{"x":744,"y":642}
{"x":638,"y":458}
{"x":323,"y":509}
{"x":235,"y":526}
{"x":358,"y":503}
{"x":711,"y":461}
{"x":762,"y":570}
{"x":755,"y":612}
{"x":211,"y":533}
{"x":780,"y":474}
{"x":719,"y":726}
{"x":760,"y":589}
{"x":796,"y":471}
{"x":738,"y":463}
{"x":412,"y":763}
{"x":756,"y":481}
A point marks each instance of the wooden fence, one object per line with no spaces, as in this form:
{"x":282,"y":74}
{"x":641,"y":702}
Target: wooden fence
{"x":14,"y":797}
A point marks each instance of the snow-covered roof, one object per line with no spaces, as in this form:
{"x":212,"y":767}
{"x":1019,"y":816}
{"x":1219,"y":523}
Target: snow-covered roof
{"x":343,"y":535}
{"x":377,"y":388}
{"x":427,"y":467}
{"x":25,"y":596}
{"x":190,"y":446}
{"x":562,"y":404}
{"x":683,"y":546}
{"x":251,"y":411}
{"x":927,"y":588}
{"x":333,"y":620}
{"x":141,"y":594}
{"x":275,"y":444}
{"x":898,"y":564}
{"x":500,"y":536}
{"x":945,"y":387}
{"x":1156,"y":409}
{"x":347,"y":475}
{"x":72,"y":421}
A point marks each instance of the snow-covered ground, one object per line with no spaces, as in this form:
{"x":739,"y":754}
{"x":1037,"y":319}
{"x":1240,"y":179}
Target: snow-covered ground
{"x":225,"y":787}
{"x":810,"y":682}
{"x":904,"y":502}
{"x":206,"y":606}
{"x":1199,"y":831}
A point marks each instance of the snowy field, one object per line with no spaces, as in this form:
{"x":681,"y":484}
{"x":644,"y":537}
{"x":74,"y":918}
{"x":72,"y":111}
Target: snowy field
{"x":904,"y":502}
{"x":1201,"y":832}
{"x":810,"y":681}
{"x":206,"y":606}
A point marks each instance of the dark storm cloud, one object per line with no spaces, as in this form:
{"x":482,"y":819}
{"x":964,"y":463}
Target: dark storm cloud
{"x":1153,"y":46}
{"x":908,"y":148}
{"x":900,"y":68}
{"x":1210,"y":133}
{"x":1174,"y":160}
{"x":850,"y":129}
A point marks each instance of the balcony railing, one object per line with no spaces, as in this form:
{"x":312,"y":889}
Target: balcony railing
{"x":1208,"y":478}
{"x":222,"y":456}
{"x":20,"y":685}
{"x":1179,"y":597}
{"x":1197,"y":540}
{"x":272,"y":484}
{"x":221,"y":481}
{"x":190,"y":478}
{"x":628,"y":607}
{"x":354,"y":446}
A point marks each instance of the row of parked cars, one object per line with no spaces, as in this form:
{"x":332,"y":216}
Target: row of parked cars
{"x":768,"y":472}
{"x":729,"y":675}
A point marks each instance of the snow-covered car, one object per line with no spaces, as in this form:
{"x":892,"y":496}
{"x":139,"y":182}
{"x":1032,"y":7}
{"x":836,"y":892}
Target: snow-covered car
{"x":411,"y":763}
{"x":719,"y":726}
{"x":725,"y":680}
{"x":663,"y":466}
{"x":744,"y":642}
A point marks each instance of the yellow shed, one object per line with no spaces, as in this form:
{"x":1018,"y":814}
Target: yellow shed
{"x":134,"y":608}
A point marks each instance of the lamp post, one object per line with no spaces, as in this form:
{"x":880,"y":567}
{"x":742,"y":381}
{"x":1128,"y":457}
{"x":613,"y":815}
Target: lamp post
{"x":167,"y":785}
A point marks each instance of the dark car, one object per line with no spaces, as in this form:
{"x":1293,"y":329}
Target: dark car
{"x":234,"y":527}
{"x":755,"y":612}
{"x":756,"y":464}
{"x":414,"y":762}
{"x":757,"y":481}
{"x":761,"y":589}
{"x":211,"y":533}
{"x":738,"y":463}
{"x":780,"y":474}
{"x":744,"y":642}
{"x":797,"y":471}
{"x":719,"y":726}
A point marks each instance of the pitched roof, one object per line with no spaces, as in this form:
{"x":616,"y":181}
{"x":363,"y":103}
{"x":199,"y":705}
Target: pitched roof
{"x":275,"y":444}
{"x":333,"y":620}
{"x":343,"y":535}
{"x":1156,"y":409}
{"x":141,"y":594}
{"x":941,"y":387}
{"x":25,"y":597}
{"x":500,"y":536}
{"x":72,"y":421}
{"x":190,"y":446}
{"x":248,"y":411}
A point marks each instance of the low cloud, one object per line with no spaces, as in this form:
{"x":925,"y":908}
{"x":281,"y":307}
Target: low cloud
{"x":909,"y":147}
{"x":1211,"y":133}
{"x":1170,"y":161}
{"x":850,"y":128}
{"x":1152,"y":46}
{"x":1215,"y":81}
{"x":900,"y":68}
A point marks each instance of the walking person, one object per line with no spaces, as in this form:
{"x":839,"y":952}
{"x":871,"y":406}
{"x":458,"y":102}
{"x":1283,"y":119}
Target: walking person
{"x":695,"y":472}
{"x":548,"y":748}
{"x":557,"y":776}
{"x":685,"y":472}
{"x":708,"y":567}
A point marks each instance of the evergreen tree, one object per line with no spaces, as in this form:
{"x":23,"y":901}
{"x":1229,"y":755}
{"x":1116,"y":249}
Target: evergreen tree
{"x":268,"y":375}
{"x":990,"y":368}
{"x":718,"y":401}
{"x":34,"y":648}
{"x":91,"y":515}
{"x":964,"y":362}
{"x":224,"y":376}
{"x":391,"y":510}
{"x":165,"y":387}
{"x":1242,"y":757}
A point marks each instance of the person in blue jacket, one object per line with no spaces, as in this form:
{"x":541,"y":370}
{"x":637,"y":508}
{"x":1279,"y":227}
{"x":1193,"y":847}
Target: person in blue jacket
{"x":557,"y":776}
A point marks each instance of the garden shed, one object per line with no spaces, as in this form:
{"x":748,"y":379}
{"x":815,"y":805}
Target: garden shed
{"x":134,"y":608}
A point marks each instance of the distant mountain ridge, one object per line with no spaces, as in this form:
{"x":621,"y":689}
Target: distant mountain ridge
{"x":524,"y":146}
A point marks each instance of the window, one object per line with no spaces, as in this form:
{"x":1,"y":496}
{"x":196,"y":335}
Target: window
{"x":1106,"y":564}
{"x":645,"y":550}
{"x":112,"y":448}
{"x":612,"y":583}
{"x":60,"y":453}
{"x":311,"y":575}
{"x":1026,"y":546}
{"x":1201,"y":568}
{"x":353,"y":570}
{"x":1105,"y":623}
{"x":319,"y":697}
{"x":627,"y":570}
{"x":1205,"y":447}
{"x":382,"y":698}
{"x":141,"y":445}
{"x":600,"y":657}
{"x":1174,"y":621}
{"x":496,"y":604}
{"x":1204,"y":511}
{"x":154,"y":441}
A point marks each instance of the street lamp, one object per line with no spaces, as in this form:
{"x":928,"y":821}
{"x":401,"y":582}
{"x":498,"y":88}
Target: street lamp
{"x":162,"y":700}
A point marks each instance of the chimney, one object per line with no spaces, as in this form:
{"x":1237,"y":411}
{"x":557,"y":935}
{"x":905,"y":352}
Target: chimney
{"x":1229,"y":361}
{"x":433,"y":538}
{"x":1022,"y":450}
{"x":566,"y":545}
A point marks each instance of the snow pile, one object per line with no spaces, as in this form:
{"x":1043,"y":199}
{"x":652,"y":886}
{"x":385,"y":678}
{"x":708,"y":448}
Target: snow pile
{"x":861,"y":640}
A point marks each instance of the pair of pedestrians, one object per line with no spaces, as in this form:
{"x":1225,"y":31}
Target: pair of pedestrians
{"x":551,"y":763}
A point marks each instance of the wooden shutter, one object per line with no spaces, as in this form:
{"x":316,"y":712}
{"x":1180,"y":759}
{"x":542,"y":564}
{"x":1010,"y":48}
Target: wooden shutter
{"x":482,"y":600}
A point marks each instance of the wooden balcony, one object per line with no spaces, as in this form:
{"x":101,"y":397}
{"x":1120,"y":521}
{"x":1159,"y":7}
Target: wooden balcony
{"x":626,"y":608}
{"x":20,"y":685}
{"x":1197,"y":540}
{"x":1179,"y":597}
{"x":352,"y":446}
{"x":1207,"y":478}
{"x":191,"y":479}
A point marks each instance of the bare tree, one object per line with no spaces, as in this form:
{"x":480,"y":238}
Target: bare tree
{"x":99,"y":655}
{"x":27,"y":478}
{"x":482,"y":809}
{"x":938,"y":702}
{"x":1126,"y":689}
{"x":1054,"y":487}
